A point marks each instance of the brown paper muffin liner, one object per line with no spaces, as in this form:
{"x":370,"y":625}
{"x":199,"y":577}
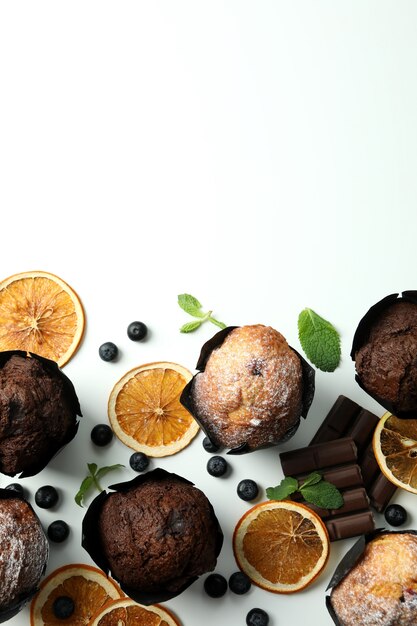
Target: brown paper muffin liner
{"x":91,"y":541}
{"x":308,"y":378}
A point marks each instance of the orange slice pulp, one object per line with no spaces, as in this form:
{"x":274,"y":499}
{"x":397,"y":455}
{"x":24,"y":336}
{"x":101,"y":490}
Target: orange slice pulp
{"x":88,"y":587}
{"x":281,"y":545}
{"x":40,"y":313}
{"x":145,"y":411}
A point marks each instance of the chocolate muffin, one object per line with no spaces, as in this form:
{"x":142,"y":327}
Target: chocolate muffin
{"x":386,"y":363}
{"x":381,"y":589}
{"x":23,"y":553}
{"x":252,"y":390}
{"x":156,"y":534}
{"x":38,"y":412}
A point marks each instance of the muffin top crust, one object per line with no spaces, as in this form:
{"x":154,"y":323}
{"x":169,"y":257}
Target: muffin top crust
{"x":251,"y":389}
{"x":381,"y":590}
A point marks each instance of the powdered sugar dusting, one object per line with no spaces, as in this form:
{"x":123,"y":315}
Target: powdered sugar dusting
{"x":251,"y":389}
{"x":382,"y":589}
{"x":23,"y":550}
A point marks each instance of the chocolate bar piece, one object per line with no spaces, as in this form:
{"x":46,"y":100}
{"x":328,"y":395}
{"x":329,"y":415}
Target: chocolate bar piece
{"x":336,"y":461}
{"x":346,"y":418}
{"x":315,"y":457}
{"x":350,"y":525}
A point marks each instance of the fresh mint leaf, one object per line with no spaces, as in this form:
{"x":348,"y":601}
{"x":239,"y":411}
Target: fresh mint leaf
{"x":323,"y":494}
{"x":109,"y":468}
{"x":286,"y":487}
{"x":190,"y":304}
{"x":319,"y":340}
{"x":92,"y":468}
{"x":190,"y":326}
{"x":84,"y":487}
{"x":91,"y":480}
{"x":312,"y":479}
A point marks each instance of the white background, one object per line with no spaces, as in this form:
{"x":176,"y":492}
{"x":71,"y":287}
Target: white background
{"x":259,"y":155}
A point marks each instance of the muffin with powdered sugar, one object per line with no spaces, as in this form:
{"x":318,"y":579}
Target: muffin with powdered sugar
{"x":252,"y":388}
{"x":23,"y":553}
{"x":380,"y":587}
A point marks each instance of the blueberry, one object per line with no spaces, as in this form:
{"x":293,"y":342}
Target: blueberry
{"x":217,"y":466}
{"x":108,"y":351}
{"x":209,"y":446}
{"x":101,"y":435}
{"x":247,"y":489}
{"x":58,"y":531}
{"x":16,"y":487}
{"x":139,"y":461}
{"x":136,"y":331}
{"x":239,"y":583}
{"x":63,"y":607}
{"x":395,"y":514}
{"x":46,"y":497}
{"x":215,"y":585}
{"x":257,"y":617}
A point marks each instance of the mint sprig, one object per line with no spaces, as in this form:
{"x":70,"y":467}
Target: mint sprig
{"x":192,"y":306}
{"x":319,"y":340}
{"x":92,"y":480}
{"x":314,"y":490}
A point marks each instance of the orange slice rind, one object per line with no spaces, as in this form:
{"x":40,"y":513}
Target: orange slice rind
{"x":281,"y":545}
{"x":87,"y":586}
{"x":395,"y":449}
{"x":145,"y":411}
{"x":129,"y":613}
{"x":40,"y":313}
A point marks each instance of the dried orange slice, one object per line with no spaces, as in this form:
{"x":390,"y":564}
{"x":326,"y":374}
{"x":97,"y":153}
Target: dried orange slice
{"x":281,"y":545}
{"x":395,"y":448}
{"x":145,"y":410}
{"x":40,"y":313}
{"x":87,"y":586}
{"x":126,"y":612}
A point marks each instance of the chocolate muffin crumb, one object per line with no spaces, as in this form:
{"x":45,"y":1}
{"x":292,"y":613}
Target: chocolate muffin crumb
{"x":158,"y":535}
{"x":36,"y":414}
{"x":387,"y":363}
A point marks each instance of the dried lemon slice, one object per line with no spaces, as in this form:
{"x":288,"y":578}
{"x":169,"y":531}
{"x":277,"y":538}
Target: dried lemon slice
{"x":127,"y":612}
{"x":40,"y":313}
{"x":88,"y":587}
{"x":281,"y":545}
{"x":145,"y":410}
{"x":395,"y":449}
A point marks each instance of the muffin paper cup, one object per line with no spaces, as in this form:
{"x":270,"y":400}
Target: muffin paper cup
{"x":308,"y":378}
{"x":351,"y":558}
{"x":361,"y":336}
{"x":92,"y":544}
{"x":72,"y":399}
{"x":14,"y":609}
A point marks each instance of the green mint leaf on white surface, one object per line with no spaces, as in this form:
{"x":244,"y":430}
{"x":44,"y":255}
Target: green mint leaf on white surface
{"x":286,"y":487}
{"x":312,"y":479}
{"x":109,"y":468}
{"x":323,"y":494}
{"x":319,"y":340}
{"x":192,"y":306}
{"x":84,"y":487}
{"x":91,"y":480}
{"x":189,"y":327}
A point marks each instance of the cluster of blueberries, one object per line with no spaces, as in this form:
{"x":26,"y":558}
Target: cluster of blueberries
{"x":136,"y":331}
